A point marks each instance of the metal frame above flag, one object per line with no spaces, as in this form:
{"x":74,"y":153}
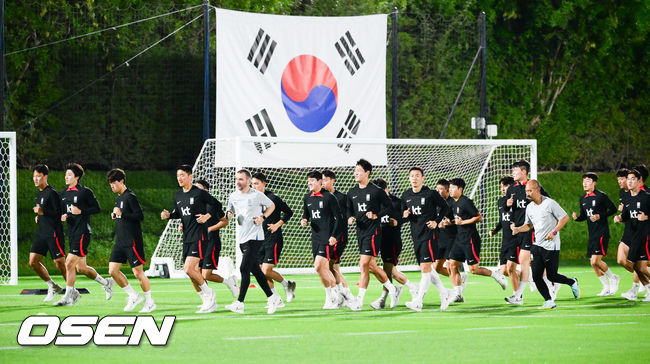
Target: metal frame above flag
{"x":301,"y":77}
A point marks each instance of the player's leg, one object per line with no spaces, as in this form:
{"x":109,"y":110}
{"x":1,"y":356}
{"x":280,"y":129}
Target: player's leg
{"x":321,"y":265}
{"x":538,"y":267}
{"x":38,"y":267}
{"x":136,"y":258}
{"x":149,"y":304}
{"x":82,"y":267}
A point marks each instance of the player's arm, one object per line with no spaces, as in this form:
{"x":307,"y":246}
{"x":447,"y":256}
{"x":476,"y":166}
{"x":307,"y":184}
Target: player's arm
{"x":520,"y":229}
{"x":134,"y":212}
{"x":472,"y":220}
{"x":221,"y":224}
{"x":164,"y":215}
{"x":93,"y":204}
{"x":337,"y":229}
{"x":444,"y":208}
{"x":496,"y":229}
{"x":212,"y":206}
{"x":305,"y":212}
{"x":583,"y":214}
{"x":624,"y":216}
{"x":350,"y":210}
{"x":52,"y":208}
{"x":385,"y":205}
{"x":561,"y":216}
{"x":610,"y":208}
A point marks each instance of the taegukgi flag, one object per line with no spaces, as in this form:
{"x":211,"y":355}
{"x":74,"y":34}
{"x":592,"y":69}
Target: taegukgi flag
{"x":301,"y":77}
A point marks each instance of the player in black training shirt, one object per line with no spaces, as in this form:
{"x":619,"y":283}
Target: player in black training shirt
{"x":391,"y":246}
{"x":467,"y":246}
{"x":78,"y":203}
{"x":273,"y":239}
{"x":321,"y":208}
{"x":636,"y":212}
{"x":425,"y":209}
{"x":595,"y":208}
{"x":329,"y":180}
{"x":366,"y":203}
{"x":623,"y":245}
{"x":49,"y":237}
{"x":509,"y":254}
{"x":129,"y":245}
{"x":446,"y":235}
{"x":194,"y":207}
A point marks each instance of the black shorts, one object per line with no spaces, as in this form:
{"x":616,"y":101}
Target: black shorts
{"x":625,"y":239}
{"x":54,"y":244}
{"x":79,"y":246}
{"x":640,"y":248}
{"x":339,"y":248}
{"x":526,"y":239}
{"x":426,"y":251}
{"x":322,"y":249}
{"x":469,"y":252}
{"x":133,"y":254}
{"x":390,"y":250}
{"x":212,"y":250}
{"x":194,"y":249}
{"x":509,"y":251}
{"x":598,"y":245}
{"x":271,"y":249}
{"x":370,"y":244}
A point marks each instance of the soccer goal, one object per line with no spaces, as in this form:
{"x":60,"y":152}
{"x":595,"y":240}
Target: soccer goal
{"x":8,"y":210}
{"x":481,"y":163}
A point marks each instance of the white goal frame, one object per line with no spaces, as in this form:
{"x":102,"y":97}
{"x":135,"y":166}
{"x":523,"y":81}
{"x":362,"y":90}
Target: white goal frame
{"x":8,"y":211}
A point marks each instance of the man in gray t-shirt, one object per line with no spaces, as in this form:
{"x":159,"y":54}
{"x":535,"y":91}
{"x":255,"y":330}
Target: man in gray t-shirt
{"x":547,"y":218}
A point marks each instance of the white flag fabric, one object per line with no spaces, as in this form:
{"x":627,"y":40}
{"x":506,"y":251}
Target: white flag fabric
{"x":301,"y":77}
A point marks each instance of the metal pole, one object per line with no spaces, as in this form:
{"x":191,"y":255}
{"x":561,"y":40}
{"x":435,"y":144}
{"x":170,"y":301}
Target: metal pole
{"x":206,"y":71}
{"x":483,"y":81}
{"x":3,"y":80}
{"x":394,"y":74}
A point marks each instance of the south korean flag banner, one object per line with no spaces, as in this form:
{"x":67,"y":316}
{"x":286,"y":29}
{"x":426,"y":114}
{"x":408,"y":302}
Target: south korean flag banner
{"x":301,"y":77}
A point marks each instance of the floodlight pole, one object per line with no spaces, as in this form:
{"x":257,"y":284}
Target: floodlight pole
{"x":206,"y":70}
{"x":483,"y":109}
{"x":3,"y":79}
{"x":394,"y":74}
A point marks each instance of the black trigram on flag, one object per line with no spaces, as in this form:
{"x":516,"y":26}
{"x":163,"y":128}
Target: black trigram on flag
{"x":261,"y":51}
{"x":349,"y":130}
{"x":350,"y":53}
{"x":257,"y":127}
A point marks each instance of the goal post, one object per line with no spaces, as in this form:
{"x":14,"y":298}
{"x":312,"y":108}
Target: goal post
{"x":481,"y":163}
{"x":8,"y":210}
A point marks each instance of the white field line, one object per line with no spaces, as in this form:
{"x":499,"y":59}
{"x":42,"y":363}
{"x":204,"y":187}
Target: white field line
{"x":11,"y":347}
{"x":379,"y":333}
{"x":608,"y":324}
{"x":261,"y":337}
{"x":497,"y":328}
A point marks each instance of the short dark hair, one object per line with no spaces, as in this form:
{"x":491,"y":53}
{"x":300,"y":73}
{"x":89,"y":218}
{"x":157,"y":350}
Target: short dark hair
{"x":507,"y":181}
{"x":365,"y":165}
{"x":315,"y":174}
{"x":622,"y":172}
{"x":76,"y":169}
{"x":591,"y":175}
{"x":643,"y":170}
{"x":185,"y":168}
{"x":42,"y":169}
{"x":329,"y":174}
{"x":203,"y":183}
{"x":416,"y":168}
{"x":261,"y":176}
{"x":636,"y":173}
{"x":522,"y":164}
{"x":115,"y":175}
{"x":381,"y":183}
{"x":444,"y":183}
{"x":458,"y":182}
{"x":245,"y":171}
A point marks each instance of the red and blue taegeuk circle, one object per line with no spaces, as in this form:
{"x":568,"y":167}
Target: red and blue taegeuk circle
{"x":309,"y":93}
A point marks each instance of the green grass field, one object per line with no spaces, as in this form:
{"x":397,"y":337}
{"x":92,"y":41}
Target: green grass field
{"x":483,"y":329}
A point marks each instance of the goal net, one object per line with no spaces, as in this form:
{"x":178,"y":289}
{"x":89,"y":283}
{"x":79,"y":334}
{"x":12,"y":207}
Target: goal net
{"x":481,"y":163}
{"x":8,"y":210}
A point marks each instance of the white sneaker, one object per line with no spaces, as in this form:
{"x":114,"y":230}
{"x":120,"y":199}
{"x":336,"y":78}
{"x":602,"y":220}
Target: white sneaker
{"x":458,"y":298}
{"x":413,"y":289}
{"x":133,"y":301}
{"x":236,"y":307}
{"x":641,"y":288}
{"x":280,"y":302}
{"x":66,"y":300}
{"x":501,"y":279}
{"x":379,"y":303}
{"x":273,"y":301}
{"x":330,"y":304}
{"x":646,"y":298}
{"x":394,"y":298}
{"x":604,"y":292}
{"x":108,"y":287}
{"x":445,"y":295}
{"x":291,"y":291}
{"x":75,"y":296}
{"x":231,"y":283}
{"x":556,"y":290}
{"x":354,"y":304}
{"x":208,"y":309}
{"x":209,"y":300}
{"x":52,"y":291}
{"x":463,"y":281}
{"x":414,"y":305}
{"x":613,"y":284}
{"x":514,"y":300}
{"x":630,"y":295}
{"x":532,"y":285}
{"x":148,"y":307}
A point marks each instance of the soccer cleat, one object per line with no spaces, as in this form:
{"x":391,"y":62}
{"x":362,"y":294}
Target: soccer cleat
{"x":209,"y":299}
{"x":646,"y":298}
{"x":330,"y":304}
{"x":548,"y":305}
{"x":274,"y":302}
{"x":354,"y":304}
{"x":379,"y":303}
{"x":148,"y":307}
{"x":231,"y":283}
{"x":394,"y":298}
{"x":64,"y":301}
{"x":445,"y":299}
{"x":51,"y":292}
{"x":108,"y":287}
{"x":613,"y":284}
{"x":575,"y":288}
{"x":463,"y":281}
{"x":459,"y":298}
{"x":513,"y":300}
{"x":208,"y":309}
{"x":604,"y":292}
{"x":641,"y":289}
{"x":236,"y":307}
{"x":291,"y":291}
{"x":630,"y":294}
{"x":414,"y":305}
{"x":501,"y":279}
{"x":133,"y":301}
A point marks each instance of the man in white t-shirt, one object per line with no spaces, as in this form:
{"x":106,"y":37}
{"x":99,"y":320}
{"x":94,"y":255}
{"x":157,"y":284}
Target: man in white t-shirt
{"x":251,"y":208}
{"x":547,"y":218}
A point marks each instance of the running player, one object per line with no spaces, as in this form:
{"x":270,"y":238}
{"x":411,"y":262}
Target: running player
{"x":467,"y":246}
{"x":595,"y":208}
{"x":624,"y":244}
{"x":321,"y":208}
{"x":425,"y":208}
{"x":210,"y":260}
{"x":49,"y":237}
{"x":273,"y":239}
{"x":366,"y":203}
{"x":446,"y":234}
{"x":79,"y":202}
{"x":194,"y":207}
{"x":129,"y":245}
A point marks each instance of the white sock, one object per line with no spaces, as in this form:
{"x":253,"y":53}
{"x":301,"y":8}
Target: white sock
{"x":603,"y":280}
{"x":458,"y":290}
{"x":384,"y":294}
{"x":69,"y":289}
{"x":204,"y":287}
{"x":340,"y":287}
{"x":635,"y":285}
{"x":285,"y":283}
{"x":128,"y":289}
{"x":609,"y":274}
{"x":389,"y":286}
{"x":408,"y":283}
{"x":147,"y":296}
{"x":328,"y":293}
{"x":100,"y":280}
{"x":362,"y":293}
{"x":520,"y":289}
{"x":425,"y":282}
{"x":273,"y":291}
{"x":435,"y":279}
{"x":51,"y":283}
